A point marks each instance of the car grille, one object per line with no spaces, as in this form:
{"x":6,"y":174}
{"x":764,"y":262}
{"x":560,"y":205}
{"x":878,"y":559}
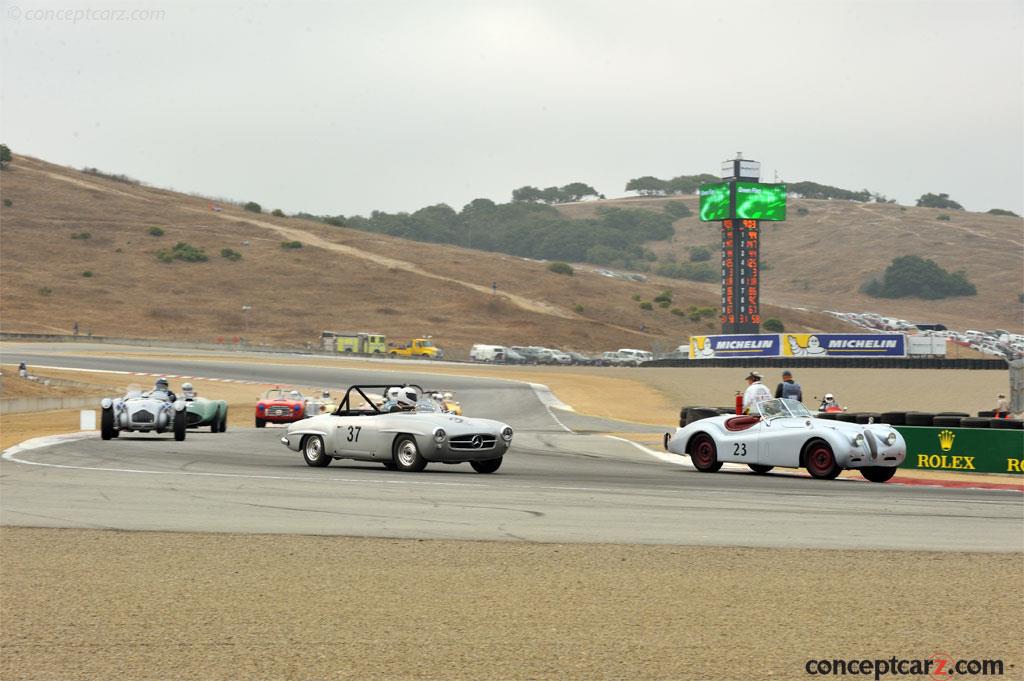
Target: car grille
{"x":869,"y":437}
{"x":472,"y":442}
{"x":279,"y":411}
{"x":193,"y":419}
{"x":142,"y":416}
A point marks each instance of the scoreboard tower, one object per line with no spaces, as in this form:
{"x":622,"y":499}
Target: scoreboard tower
{"x":741,"y":202}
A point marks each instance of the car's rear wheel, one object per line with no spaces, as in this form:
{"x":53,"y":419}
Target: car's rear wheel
{"x":261,"y":423}
{"x":878,"y":473}
{"x":224,"y":421}
{"x":704,"y":454}
{"x":488,"y":466}
{"x":107,"y":424}
{"x":313,"y":452}
{"x":821,"y":462}
{"x":407,"y":454}
{"x":180,"y":425}
{"x":760,"y":468}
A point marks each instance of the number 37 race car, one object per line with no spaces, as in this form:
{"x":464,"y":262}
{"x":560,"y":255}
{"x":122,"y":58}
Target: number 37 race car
{"x":784,"y":433}
{"x":401,"y":438}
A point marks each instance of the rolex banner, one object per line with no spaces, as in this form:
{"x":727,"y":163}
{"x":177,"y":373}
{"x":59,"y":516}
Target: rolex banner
{"x":965,"y":450}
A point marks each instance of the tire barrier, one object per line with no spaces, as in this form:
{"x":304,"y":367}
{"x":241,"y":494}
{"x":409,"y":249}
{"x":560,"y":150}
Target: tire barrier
{"x":828,"y":415}
{"x":698,"y":413}
{"x":975,"y":422}
{"x":919,"y":418}
{"x":833,"y":363}
{"x":1006,"y":424}
{"x":849,"y":417}
{"x":988,"y":412}
{"x":947,"y":421}
{"x":894,"y":418}
{"x":868,"y":418}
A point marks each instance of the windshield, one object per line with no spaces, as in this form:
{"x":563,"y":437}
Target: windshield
{"x":427,"y":405}
{"x":782,"y":407}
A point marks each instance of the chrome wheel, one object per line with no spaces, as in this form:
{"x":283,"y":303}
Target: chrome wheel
{"x":313,"y":452}
{"x":407,"y":453}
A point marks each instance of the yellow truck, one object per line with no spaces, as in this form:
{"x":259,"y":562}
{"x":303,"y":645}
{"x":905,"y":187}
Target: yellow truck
{"x":355,"y":343}
{"x":417,"y":347}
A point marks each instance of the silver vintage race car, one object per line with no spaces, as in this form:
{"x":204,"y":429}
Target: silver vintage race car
{"x":401,"y":438}
{"x":784,"y":433}
{"x":142,"y":412}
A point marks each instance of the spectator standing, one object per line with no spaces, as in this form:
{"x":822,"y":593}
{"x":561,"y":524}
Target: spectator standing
{"x":755,"y":393}
{"x":789,"y":389}
{"x":1002,"y":410}
{"x":23,"y":370}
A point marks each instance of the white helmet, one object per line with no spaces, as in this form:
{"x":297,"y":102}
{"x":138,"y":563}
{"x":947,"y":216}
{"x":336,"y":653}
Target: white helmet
{"x":187,"y":387}
{"x":829,"y":396}
{"x":294,"y":394}
{"x":406,"y":396}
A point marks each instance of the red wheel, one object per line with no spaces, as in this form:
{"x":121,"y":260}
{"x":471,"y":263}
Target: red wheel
{"x":704,"y":454}
{"x":821,"y":463}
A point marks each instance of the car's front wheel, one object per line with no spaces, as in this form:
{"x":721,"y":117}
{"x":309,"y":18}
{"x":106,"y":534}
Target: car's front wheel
{"x":488,"y":466}
{"x":704,"y":454}
{"x":390,"y":465}
{"x":313,"y":452}
{"x":107,"y":424}
{"x":261,"y":423}
{"x":821,"y":462}
{"x":180,"y":425}
{"x":760,"y":468}
{"x":878,"y":473}
{"x":407,"y":454}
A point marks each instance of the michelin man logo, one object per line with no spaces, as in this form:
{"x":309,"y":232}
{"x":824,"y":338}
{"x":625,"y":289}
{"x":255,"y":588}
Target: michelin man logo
{"x":813,"y":348}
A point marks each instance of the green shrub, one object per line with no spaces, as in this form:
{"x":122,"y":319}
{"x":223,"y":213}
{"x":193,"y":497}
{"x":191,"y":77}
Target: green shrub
{"x":87,"y":274}
{"x":578,"y":309}
{"x":291,"y":244}
{"x":701,"y":271}
{"x":663,"y":297}
{"x":774,"y":325}
{"x":664,"y":304}
{"x":802,"y":211}
{"x":636,"y":297}
{"x":81,"y":236}
{"x":5,"y":155}
{"x":677,"y":312}
{"x":993,"y":211}
{"x":230,"y":254}
{"x":8,"y":203}
{"x":156,"y":231}
{"x":678,"y":209}
{"x":562,"y":268}
{"x":943,"y":216}
{"x":911,"y":276}
{"x":938,"y":201}
{"x":182,"y":251}
{"x":253,"y":207}
{"x":646,"y":305}
{"x":699,"y":254}
{"x":277,"y":213}
{"x":110,"y":176}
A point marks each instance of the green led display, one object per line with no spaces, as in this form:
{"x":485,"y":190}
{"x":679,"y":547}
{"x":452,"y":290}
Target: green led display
{"x":714,"y":202}
{"x":756,"y":201}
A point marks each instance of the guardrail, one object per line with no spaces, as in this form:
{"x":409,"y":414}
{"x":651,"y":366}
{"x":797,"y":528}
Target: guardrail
{"x":834,"y":363}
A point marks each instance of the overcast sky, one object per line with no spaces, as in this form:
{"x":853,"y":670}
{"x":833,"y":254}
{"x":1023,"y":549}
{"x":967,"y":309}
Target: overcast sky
{"x":348,"y":107}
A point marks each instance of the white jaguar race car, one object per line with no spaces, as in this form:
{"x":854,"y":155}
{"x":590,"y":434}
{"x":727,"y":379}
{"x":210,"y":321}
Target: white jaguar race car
{"x":784,"y":433}
{"x":405,"y":439}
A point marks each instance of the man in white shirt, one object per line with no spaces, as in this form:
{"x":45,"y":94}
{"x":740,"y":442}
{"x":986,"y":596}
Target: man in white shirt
{"x":755,"y":393}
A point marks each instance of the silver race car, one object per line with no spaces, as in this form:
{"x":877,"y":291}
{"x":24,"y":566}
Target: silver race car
{"x":142,"y":412}
{"x":784,"y":433}
{"x":404,"y":432}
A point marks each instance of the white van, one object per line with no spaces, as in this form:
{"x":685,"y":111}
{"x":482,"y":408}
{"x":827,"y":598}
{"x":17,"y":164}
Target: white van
{"x":488,"y":353}
{"x":637,"y":356}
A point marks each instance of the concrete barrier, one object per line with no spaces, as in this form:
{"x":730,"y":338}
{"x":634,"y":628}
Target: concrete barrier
{"x":24,"y":405}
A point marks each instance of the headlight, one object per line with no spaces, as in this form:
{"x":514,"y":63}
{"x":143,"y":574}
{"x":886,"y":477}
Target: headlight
{"x":858,"y":439}
{"x":106,"y":403}
{"x":506,"y":434}
{"x":440,"y":435}
{"x":890,"y":439}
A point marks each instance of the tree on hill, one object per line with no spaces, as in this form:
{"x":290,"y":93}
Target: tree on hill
{"x":938,"y":201}
{"x":813,"y":190}
{"x":647,"y":185}
{"x":527,"y":194}
{"x":911,"y":276}
{"x":5,"y":155}
{"x":575,"y":191}
{"x":688,"y":184}
{"x":1000,"y":211}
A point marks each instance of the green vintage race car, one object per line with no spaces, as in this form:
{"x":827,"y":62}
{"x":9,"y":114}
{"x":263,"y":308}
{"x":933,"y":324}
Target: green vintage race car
{"x":200,"y":411}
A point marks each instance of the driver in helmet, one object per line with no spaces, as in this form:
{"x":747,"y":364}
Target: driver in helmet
{"x":188,"y":392}
{"x":829,"y":403}
{"x":401,"y":399}
{"x":162,"y":390}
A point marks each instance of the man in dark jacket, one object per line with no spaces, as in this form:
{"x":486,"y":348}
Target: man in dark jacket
{"x":789,"y":389}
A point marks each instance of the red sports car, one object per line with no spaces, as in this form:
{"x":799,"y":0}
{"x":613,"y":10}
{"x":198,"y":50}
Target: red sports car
{"x":279,"y":405}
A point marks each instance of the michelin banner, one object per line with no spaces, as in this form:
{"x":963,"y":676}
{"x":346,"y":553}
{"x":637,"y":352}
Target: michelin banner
{"x":798,"y":345}
{"x":718,"y":347}
{"x":843,"y":345}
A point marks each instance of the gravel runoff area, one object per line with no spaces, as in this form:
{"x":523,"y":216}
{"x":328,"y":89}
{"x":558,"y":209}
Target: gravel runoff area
{"x":121,"y":605}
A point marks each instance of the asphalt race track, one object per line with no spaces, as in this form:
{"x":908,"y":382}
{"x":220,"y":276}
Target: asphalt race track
{"x":562,"y":481}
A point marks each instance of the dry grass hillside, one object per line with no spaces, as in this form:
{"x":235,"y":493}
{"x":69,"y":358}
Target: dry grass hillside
{"x":820,"y":260}
{"x":340,"y":279}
